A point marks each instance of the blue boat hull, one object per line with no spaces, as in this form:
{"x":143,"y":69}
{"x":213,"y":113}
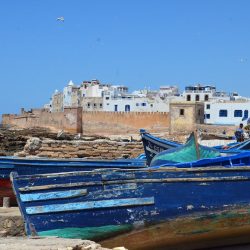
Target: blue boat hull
{"x":127,"y":198}
{"x":30,"y":166}
{"x":228,"y":227}
{"x":153,"y":145}
{"x":229,"y":160}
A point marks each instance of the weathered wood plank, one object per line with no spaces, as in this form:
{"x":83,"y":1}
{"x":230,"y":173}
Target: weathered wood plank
{"x":90,"y":205}
{"x":64,"y":185}
{"x":117,"y":176}
{"x":127,"y":186}
{"x":52,"y":195}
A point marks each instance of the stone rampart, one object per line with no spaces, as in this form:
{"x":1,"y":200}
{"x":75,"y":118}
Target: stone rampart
{"x":124,"y":122}
{"x":70,"y":120}
{"x":95,"y":122}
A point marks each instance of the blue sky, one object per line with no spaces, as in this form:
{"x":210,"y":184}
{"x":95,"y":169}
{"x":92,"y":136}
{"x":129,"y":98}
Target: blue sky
{"x":134,"y":42}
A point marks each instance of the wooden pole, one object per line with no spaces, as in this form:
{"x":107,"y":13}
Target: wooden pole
{"x":196,"y":145}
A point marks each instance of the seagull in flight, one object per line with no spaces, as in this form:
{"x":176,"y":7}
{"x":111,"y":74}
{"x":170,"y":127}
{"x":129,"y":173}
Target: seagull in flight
{"x":243,"y":60}
{"x":61,"y":18}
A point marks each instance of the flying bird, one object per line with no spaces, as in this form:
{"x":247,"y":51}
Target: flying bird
{"x":243,"y":60}
{"x":61,"y":18}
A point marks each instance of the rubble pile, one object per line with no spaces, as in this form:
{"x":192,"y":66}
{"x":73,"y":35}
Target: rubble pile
{"x":44,"y":143}
{"x":11,"y":142}
{"x":100,"y":148}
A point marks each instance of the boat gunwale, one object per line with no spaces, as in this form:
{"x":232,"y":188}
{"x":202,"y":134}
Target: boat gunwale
{"x":146,"y":169}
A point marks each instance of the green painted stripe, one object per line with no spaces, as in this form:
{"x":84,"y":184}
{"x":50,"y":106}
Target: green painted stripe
{"x":91,"y":233}
{"x":52,"y":195}
{"x":54,"y":208}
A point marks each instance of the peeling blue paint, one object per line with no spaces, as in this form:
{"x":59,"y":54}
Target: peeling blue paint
{"x":52,"y":195}
{"x":54,"y":208}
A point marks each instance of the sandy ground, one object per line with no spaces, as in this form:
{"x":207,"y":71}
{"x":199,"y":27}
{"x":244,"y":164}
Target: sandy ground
{"x":22,"y":243}
{"x":40,"y":243}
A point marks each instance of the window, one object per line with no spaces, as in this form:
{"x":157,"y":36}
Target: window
{"x":246,"y":114}
{"x":88,"y":105}
{"x":137,"y":104}
{"x":206,"y":98}
{"x":181,"y":112}
{"x":237,"y":113}
{"x":127,"y":108}
{"x":208,"y":106}
{"x":197,"y":98}
{"x":100,"y":105}
{"x":107,"y":98}
{"x":144,"y":104}
{"x":188,"y":98}
{"x":94,"y":105}
{"x":223,"y":113}
{"x":207,"y":116}
{"x":151,"y":105}
{"x":116,"y":108}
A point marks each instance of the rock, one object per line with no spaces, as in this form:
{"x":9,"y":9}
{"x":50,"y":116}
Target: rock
{"x":60,"y":134}
{"x":8,"y":223}
{"x":33,"y":144}
{"x":92,"y":246}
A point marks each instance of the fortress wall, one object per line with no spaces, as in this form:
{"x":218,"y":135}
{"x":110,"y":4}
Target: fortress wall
{"x":123,"y":122}
{"x":96,"y":122}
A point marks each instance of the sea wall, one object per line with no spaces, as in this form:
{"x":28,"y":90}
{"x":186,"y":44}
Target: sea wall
{"x":75,"y":121}
{"x":124,"y":122}
{"x":70,"y":120}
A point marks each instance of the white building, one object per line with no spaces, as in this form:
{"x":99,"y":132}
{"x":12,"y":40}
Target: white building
{"x":71,"y":95}
{"x":220,"y":107}
{"x":227,"y":112}
{"x":199,"y":93}
{"x":166,"y":91}
{"x":133,"y":103}
{"x":93,"y":88}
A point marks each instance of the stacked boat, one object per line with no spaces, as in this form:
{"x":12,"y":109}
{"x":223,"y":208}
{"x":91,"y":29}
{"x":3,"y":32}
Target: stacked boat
{"x":154,"y":145}
{"x":30,"y":166}
{"x":141,"y":202}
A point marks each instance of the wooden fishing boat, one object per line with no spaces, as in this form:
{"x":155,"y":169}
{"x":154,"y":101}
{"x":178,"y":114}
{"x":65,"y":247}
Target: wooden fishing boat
{"x":30,"y":166}
{"x":153,"y":145}
{"x":99,"y":204}
{"x":193,"y":154}
{"x":25,"y":166}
